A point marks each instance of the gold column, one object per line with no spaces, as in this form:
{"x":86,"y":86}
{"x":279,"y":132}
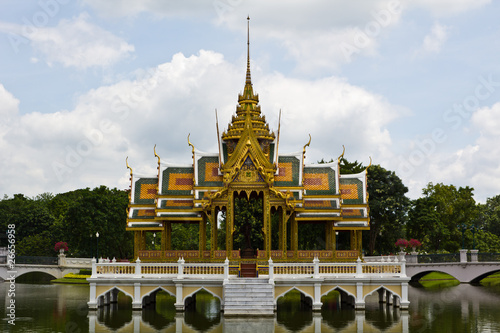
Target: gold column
{"x":229,"y":224}
{"x":359,"y":237}
{"x":163,"y":239}
{"x":353,"y":240}
{"x":267,"y":223}
{"x":282,"y":230}
{"x":334,"y":241}
{"x":294,"y":235}
{"x":328,"y":235}
{"x":213,"y":232}
{"x":202,"y":235}
{"x":137,"y":244}
{"x":168,"y":235}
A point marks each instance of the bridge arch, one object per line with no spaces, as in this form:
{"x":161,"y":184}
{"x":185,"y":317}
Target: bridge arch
{"x":154,"y":291}
{"x":382,"y":287}
{"x":111,"y":295}
{"x":420,"y":275}
{"x":199,"y":289}
{"x":44,"y":272}
{"x":345,"y":295}
{"x":339,"y":289}
{"x":478,"y":279}
{"x":309,"y":298}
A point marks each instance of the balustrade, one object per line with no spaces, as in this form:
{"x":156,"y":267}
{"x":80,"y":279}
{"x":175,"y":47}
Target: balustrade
{"x":182,"y":269}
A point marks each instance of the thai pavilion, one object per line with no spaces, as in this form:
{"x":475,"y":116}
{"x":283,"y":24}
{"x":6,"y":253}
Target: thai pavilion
{"x":249,"y":165}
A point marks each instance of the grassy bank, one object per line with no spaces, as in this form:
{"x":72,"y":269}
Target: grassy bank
{"x":491,"y":281}
{"x":438,"y":280}
{"x":73,"y":278}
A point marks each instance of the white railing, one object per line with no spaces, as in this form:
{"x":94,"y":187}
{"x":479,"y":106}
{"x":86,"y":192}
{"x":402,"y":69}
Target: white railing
{"x":180,"y":270}
{"x":358,"y":269}
{"x":75,"y":262}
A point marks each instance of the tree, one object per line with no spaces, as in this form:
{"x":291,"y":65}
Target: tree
{"x":248,"y":214}
{"x":388,"y":209}
{"x":100,"y":210}
{"x":423,"y":216}
{"x":36,"y":245}
{"x":490,"y":216}
{"x":443,"y":214}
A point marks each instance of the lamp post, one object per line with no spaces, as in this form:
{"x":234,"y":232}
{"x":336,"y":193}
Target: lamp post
{"x":97,"y":248}
{"x":336,"y":240}
{"x":154,"y":240}
{"x":91,"y":250}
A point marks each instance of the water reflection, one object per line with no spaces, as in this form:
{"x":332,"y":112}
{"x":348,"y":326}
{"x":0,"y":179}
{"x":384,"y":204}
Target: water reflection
{"x":463,"y":308}
{"x":142,"y":321}
{"x":63,"y":308}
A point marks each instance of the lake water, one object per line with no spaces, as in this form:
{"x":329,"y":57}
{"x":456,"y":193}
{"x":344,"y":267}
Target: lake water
{"x":63,"y":308}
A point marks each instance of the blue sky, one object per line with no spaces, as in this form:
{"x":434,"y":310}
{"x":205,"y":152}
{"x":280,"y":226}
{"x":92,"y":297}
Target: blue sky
{"x":84,"y":84}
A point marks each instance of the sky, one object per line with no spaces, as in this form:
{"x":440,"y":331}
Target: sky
{"x":413,"y":86}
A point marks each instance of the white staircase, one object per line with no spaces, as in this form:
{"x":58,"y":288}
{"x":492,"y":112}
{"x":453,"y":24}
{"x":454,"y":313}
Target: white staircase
{"x":248,"y":296}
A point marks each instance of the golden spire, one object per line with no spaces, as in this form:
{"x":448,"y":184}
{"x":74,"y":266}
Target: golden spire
{"x":249,"y":79}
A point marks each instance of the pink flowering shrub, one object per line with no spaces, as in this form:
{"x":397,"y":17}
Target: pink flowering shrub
{"x":61,"y":245}
{"x":414,"y":243}
{"x":401,"y":243}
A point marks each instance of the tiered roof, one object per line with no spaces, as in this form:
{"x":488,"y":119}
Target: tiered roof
{"x":315,"y":192}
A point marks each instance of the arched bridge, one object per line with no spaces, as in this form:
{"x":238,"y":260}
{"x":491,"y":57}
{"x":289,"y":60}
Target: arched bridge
{"x":56,"y":267}
{"x":465,"y":266}
{"x":469,"y":272}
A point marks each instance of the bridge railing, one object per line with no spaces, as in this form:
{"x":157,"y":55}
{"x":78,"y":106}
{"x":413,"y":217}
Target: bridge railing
{"x":35,"y":260}
{"x":438,"y":258}
{"x":488,"y":257}
{"x":181,"y":269}
{"x":359,"y":269}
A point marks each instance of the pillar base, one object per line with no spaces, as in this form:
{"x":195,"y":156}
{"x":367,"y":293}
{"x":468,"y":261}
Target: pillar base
{"x":92,"y":305}
{"x":317,"y":306}
{"x":179,"y":307}
{"x":404,"y":305}
{"x":359,"y":305}
{"x":136,"y":305}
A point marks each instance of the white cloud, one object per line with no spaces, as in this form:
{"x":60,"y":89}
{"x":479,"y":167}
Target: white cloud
{"x":434,"y":40}
{"x":73,"y":43}
{"x":475,"y":165}
{"x":447,"y":7}
{"x":87,"y":146}
{"x":320,"y":36}
{"x":8,"y":105}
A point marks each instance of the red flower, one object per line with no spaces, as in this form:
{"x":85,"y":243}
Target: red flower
{"x":414,"y":243}
{"x":401,"y":243}
{"x":61,"y":245}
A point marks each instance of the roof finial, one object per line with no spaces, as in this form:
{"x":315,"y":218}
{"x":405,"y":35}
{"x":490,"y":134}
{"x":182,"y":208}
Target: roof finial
{"x":249,"y":80}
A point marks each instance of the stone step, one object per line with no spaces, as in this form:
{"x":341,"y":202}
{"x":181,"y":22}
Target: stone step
{"x":248,"y":305}
{"x":248,"y":296}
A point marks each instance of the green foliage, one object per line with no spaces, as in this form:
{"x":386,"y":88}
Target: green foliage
{"x":71,"y":217}
{"x":441,"y":216}
{"x":36,"y":245}
{"x":388,"y":210}
{"x":490,"y":216}
{"x":248,"y":214}
{"x":184,"y":236}
{"x":100,"y":210}
{"x":311,"y":236}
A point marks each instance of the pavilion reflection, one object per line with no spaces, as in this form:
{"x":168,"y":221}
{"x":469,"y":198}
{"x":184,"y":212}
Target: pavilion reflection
{"x":381,"y":319}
